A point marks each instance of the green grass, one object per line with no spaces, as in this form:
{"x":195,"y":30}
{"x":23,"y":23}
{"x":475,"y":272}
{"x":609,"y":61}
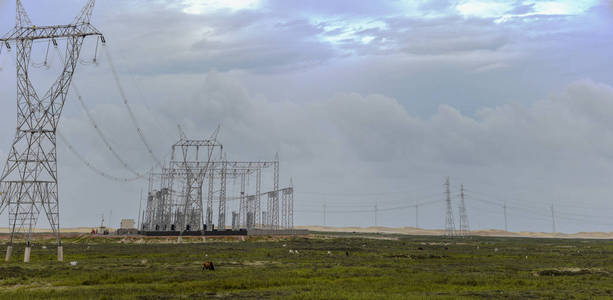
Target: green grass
{"x":397,"y":268}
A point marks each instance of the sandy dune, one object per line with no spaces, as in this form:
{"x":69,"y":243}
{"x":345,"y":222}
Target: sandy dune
{"x":491,"y":232}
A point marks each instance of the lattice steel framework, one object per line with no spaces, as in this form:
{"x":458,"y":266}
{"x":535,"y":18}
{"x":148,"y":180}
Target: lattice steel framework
{"x":287,"y":196}
{"x":174,"y":204}
{"x":29,"y":180}
{"x":275,"y":199}
{"x":258,"y":197}
{"x":195,"y":161}
{"x":209,"y":201}
{"x":242,"y":210}
{"x":449,"y":225}
{"x":464,"y":225}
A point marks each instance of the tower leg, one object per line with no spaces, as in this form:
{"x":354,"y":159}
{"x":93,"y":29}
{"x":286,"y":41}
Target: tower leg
{"x":9,"y":249}
{"x":51,"y":207}
{"x":9,"y":252}
{"x":26,"y":254}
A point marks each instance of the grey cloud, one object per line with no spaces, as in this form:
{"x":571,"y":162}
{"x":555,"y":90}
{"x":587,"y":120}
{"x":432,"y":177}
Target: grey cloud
{"x":269,"y":40}
{"x":425,"y":99}
{"x":334,"y":8}
{"x":231,"y":40}
{"x":352,"y":139}
{"x":521,"y":9}
{"x":437,"y":6}
{"x":438,"y":36}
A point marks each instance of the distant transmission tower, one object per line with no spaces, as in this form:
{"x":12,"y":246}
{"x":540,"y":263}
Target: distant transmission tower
{"x":275,"y":200}
{"x":324,"y":211}
{"x":553,"y":219}
{"x":464,"y":227}
{"x":416,"y":216}
{"x":376,"y":211}
{"x":506,"y":222}
{"x":449,"y":225}
{"x":29,"y":180}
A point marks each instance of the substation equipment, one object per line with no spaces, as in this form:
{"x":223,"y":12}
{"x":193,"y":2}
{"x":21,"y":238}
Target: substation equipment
{"x":175,"y":202}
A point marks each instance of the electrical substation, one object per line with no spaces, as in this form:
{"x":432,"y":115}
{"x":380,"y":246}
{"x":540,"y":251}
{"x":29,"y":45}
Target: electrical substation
{"x":174,"y":206}
{"x":175,"y":201}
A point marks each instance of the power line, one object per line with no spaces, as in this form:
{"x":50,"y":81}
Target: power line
{"x":388,"y":202}
{"x":338,"y":194}
{"x":102,"y":136}
{"x":91,"y":166}
{"x":378,"y":209}
{"x":127,"y":105}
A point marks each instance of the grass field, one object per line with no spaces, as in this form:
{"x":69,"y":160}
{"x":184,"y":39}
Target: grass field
{"x":377,"y":267}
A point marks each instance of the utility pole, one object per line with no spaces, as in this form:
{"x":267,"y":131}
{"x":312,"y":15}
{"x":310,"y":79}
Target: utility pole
{"x":506,"y":224}
{"x":376,"y":212}
{"x":553,"y":219}
{"x":449,"y":225}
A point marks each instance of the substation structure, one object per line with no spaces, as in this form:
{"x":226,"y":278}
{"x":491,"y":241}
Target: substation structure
{"x":176,"y":205}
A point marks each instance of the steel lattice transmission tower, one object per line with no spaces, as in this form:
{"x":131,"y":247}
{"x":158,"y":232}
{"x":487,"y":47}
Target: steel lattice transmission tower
{"x":275,"y":194}
{"x":449,"y":225}
{"x":29,"y":180}
{"x":464,"y":227}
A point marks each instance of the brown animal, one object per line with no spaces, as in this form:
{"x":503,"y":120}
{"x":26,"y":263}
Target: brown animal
{"x":208,"y":265}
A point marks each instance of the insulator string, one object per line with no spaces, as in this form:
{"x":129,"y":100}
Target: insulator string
{"x":44,"y":64}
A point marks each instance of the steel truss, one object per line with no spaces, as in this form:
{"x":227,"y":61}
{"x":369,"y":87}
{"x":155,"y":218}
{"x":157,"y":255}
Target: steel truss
{"x":177,"y":203}
{"x":29,"y":180}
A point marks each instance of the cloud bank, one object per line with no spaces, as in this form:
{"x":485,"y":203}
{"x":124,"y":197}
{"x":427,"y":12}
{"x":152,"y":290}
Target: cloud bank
{"x":366,"y":103}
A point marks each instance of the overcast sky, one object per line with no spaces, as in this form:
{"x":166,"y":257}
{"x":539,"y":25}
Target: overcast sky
{"x":366,"y":102}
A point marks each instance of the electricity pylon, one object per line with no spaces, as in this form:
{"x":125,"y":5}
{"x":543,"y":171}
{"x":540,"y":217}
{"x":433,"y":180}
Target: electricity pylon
{"x":449,"y":225}
{"x":464,"y":227}
{"x":29,"y":180}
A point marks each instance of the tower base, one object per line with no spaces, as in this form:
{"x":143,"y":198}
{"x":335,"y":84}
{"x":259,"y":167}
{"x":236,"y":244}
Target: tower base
{"x":60,"y":253}
{"x":9,"y":252}
{"x":26,"y":255}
